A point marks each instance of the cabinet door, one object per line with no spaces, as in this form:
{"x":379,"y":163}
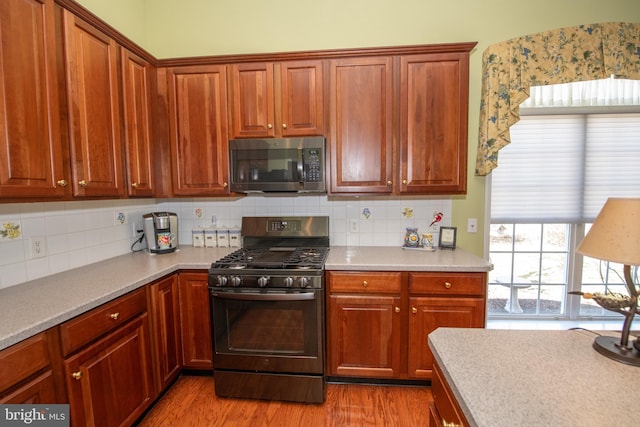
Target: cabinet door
{"x":361,"y":92}
{"x":197,"y":351}
{"x":301,"y":98}
{"x":433,"y":109}
{"x":30,"y":144}
{"x":429,"y":313}
{"x":136,"y":105}
{"x":198,"y":128}
{"x":109,"y":383}
{"x":364,"y":336}
{"x":165,"y":323}
{"x":252,"y":101}
{"x":94,"y":110}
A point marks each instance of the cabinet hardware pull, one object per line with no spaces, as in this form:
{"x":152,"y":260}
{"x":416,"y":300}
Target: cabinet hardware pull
{"x":224,"y":185}
{"x":404,"y":181}
{"x":114,"y":316}
{"x":397,"y":309}
{"x":414,"y":310}
{"x":269,"y":126}
{"x":284,"y":126}
{"x":62,"y":183}
{"x":76,"y":375}
{"x":451,"y":424}
{"x":134,"y":184}
{"x":389,"y":182}
{"x":364,"y":283}
{"x":82,"y":183}
{"x":447,"y":285}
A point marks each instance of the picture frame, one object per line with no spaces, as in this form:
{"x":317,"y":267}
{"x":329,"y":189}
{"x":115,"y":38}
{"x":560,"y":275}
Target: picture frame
{"x":447,"y":238}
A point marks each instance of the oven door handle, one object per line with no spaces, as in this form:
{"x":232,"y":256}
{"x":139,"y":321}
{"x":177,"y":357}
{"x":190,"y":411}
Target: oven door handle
{"x":303,"y":296}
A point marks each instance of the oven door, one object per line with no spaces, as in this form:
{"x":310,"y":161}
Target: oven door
{"x":268,"y":330}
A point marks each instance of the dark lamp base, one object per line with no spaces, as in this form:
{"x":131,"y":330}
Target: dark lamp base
{"x":610,"y":347}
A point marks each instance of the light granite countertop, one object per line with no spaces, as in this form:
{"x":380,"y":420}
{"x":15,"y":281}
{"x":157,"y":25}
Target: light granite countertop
{"x":35,"y":306}
{"x":516,"y":378}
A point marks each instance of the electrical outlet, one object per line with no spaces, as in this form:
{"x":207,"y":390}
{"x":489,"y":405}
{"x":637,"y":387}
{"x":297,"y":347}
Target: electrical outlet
{"x":136,"y":228}
{"x":353,"y":226}
{"x":38,"y":247}
{"x":472,"y":225}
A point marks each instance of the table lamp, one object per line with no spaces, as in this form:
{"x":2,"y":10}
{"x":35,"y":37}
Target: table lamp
{"x":615,"y":237}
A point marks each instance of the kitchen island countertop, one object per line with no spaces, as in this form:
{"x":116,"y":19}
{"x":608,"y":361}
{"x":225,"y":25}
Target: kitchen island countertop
{"x":535,"y":378}
{"x":35,"y":306}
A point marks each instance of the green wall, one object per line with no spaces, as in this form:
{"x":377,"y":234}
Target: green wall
{"x":171,"y":28}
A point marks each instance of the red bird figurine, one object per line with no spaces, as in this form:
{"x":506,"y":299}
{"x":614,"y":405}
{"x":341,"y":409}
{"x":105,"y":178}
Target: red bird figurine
{"x":437,"y":217}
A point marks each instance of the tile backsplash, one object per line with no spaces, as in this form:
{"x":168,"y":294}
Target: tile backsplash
{"x":39,"y":239}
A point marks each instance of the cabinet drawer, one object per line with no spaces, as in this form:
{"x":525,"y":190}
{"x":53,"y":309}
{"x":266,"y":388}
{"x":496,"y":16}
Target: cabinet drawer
{"x":23,"y":359}
{"x":87,"y":327}
{"x":378,"y":282}
{"x":448,"y":283}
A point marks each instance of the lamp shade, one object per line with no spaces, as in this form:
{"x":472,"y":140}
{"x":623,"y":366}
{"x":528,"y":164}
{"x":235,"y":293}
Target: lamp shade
{"x":615,"y":234}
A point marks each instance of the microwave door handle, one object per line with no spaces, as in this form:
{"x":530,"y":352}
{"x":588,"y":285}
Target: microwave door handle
{"x":303,"y":296}
{"x":301,"y":166}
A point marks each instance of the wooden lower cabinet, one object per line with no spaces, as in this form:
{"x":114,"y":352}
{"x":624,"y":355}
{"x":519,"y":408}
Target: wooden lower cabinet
{"x":378,"y":322}
{"x":444,"y":410}
{"x":108,"y":362}
{"x":164,"y":310}
{"x":27,"y":372}
{"x":372,"y":350}
{"x":110,"y":382}
{"x":197,"y":352}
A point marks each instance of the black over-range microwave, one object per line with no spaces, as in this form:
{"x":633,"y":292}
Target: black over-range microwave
{"x":277,"y":165}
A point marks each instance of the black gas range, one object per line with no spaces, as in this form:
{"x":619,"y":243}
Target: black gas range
{"x":267,"y":308}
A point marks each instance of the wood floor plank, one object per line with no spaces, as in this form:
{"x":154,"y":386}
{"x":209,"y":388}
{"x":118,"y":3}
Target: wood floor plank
{"x":191,"y":401}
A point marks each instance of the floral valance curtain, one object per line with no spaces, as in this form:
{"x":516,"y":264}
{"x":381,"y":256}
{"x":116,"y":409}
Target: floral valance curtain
{"x":510,"y":68}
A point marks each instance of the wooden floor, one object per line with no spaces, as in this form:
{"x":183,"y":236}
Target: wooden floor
{"x":191,"y":401}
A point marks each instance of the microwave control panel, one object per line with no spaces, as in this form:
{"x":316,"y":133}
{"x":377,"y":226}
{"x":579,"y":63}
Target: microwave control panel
{"x":313,"y":164}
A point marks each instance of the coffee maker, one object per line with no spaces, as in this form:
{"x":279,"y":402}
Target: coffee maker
{"x":161,"y":231}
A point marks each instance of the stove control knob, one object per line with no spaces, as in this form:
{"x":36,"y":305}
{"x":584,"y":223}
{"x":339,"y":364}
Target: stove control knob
{"x":236,"y":281}
{"x":222,"y":280}
{"x":303,"y":282}
{"x":288,"y":282}
{"x":263,"y":281}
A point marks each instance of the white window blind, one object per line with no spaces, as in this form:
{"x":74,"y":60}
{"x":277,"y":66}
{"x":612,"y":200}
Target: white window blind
{"x":562,"y":168}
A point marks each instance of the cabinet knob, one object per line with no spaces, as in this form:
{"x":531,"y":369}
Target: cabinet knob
{"x":82,"y":183}
{"x":397,"y":310}
{"x":389,"y":182}
{"x":404,"y":182}
{"x":225,"y":185}
{"x":134,"y":184}
{"x":364,"y":283}
{"x":269,"y":126}
{"x":447,"y":285}
{"x":414,"y":310}
{"x":114,"y":316}
{"x":76,"y":375}
{"x":284,"y":126}
{"x":62,"y":183}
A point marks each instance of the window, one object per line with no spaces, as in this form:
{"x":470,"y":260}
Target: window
{"x":551,"y":182}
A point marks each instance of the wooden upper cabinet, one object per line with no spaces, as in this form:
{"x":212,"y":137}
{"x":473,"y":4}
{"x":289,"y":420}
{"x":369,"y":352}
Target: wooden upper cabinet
{"x":198,"y":129}
{"x":301,"y":98}
{"x":94,"y":113}
{"x":433,"y":109}
{"x":30,"y":146}
{"x":361,"y":122}
{"x":136,"y":104}
{"x":276,"y":99}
